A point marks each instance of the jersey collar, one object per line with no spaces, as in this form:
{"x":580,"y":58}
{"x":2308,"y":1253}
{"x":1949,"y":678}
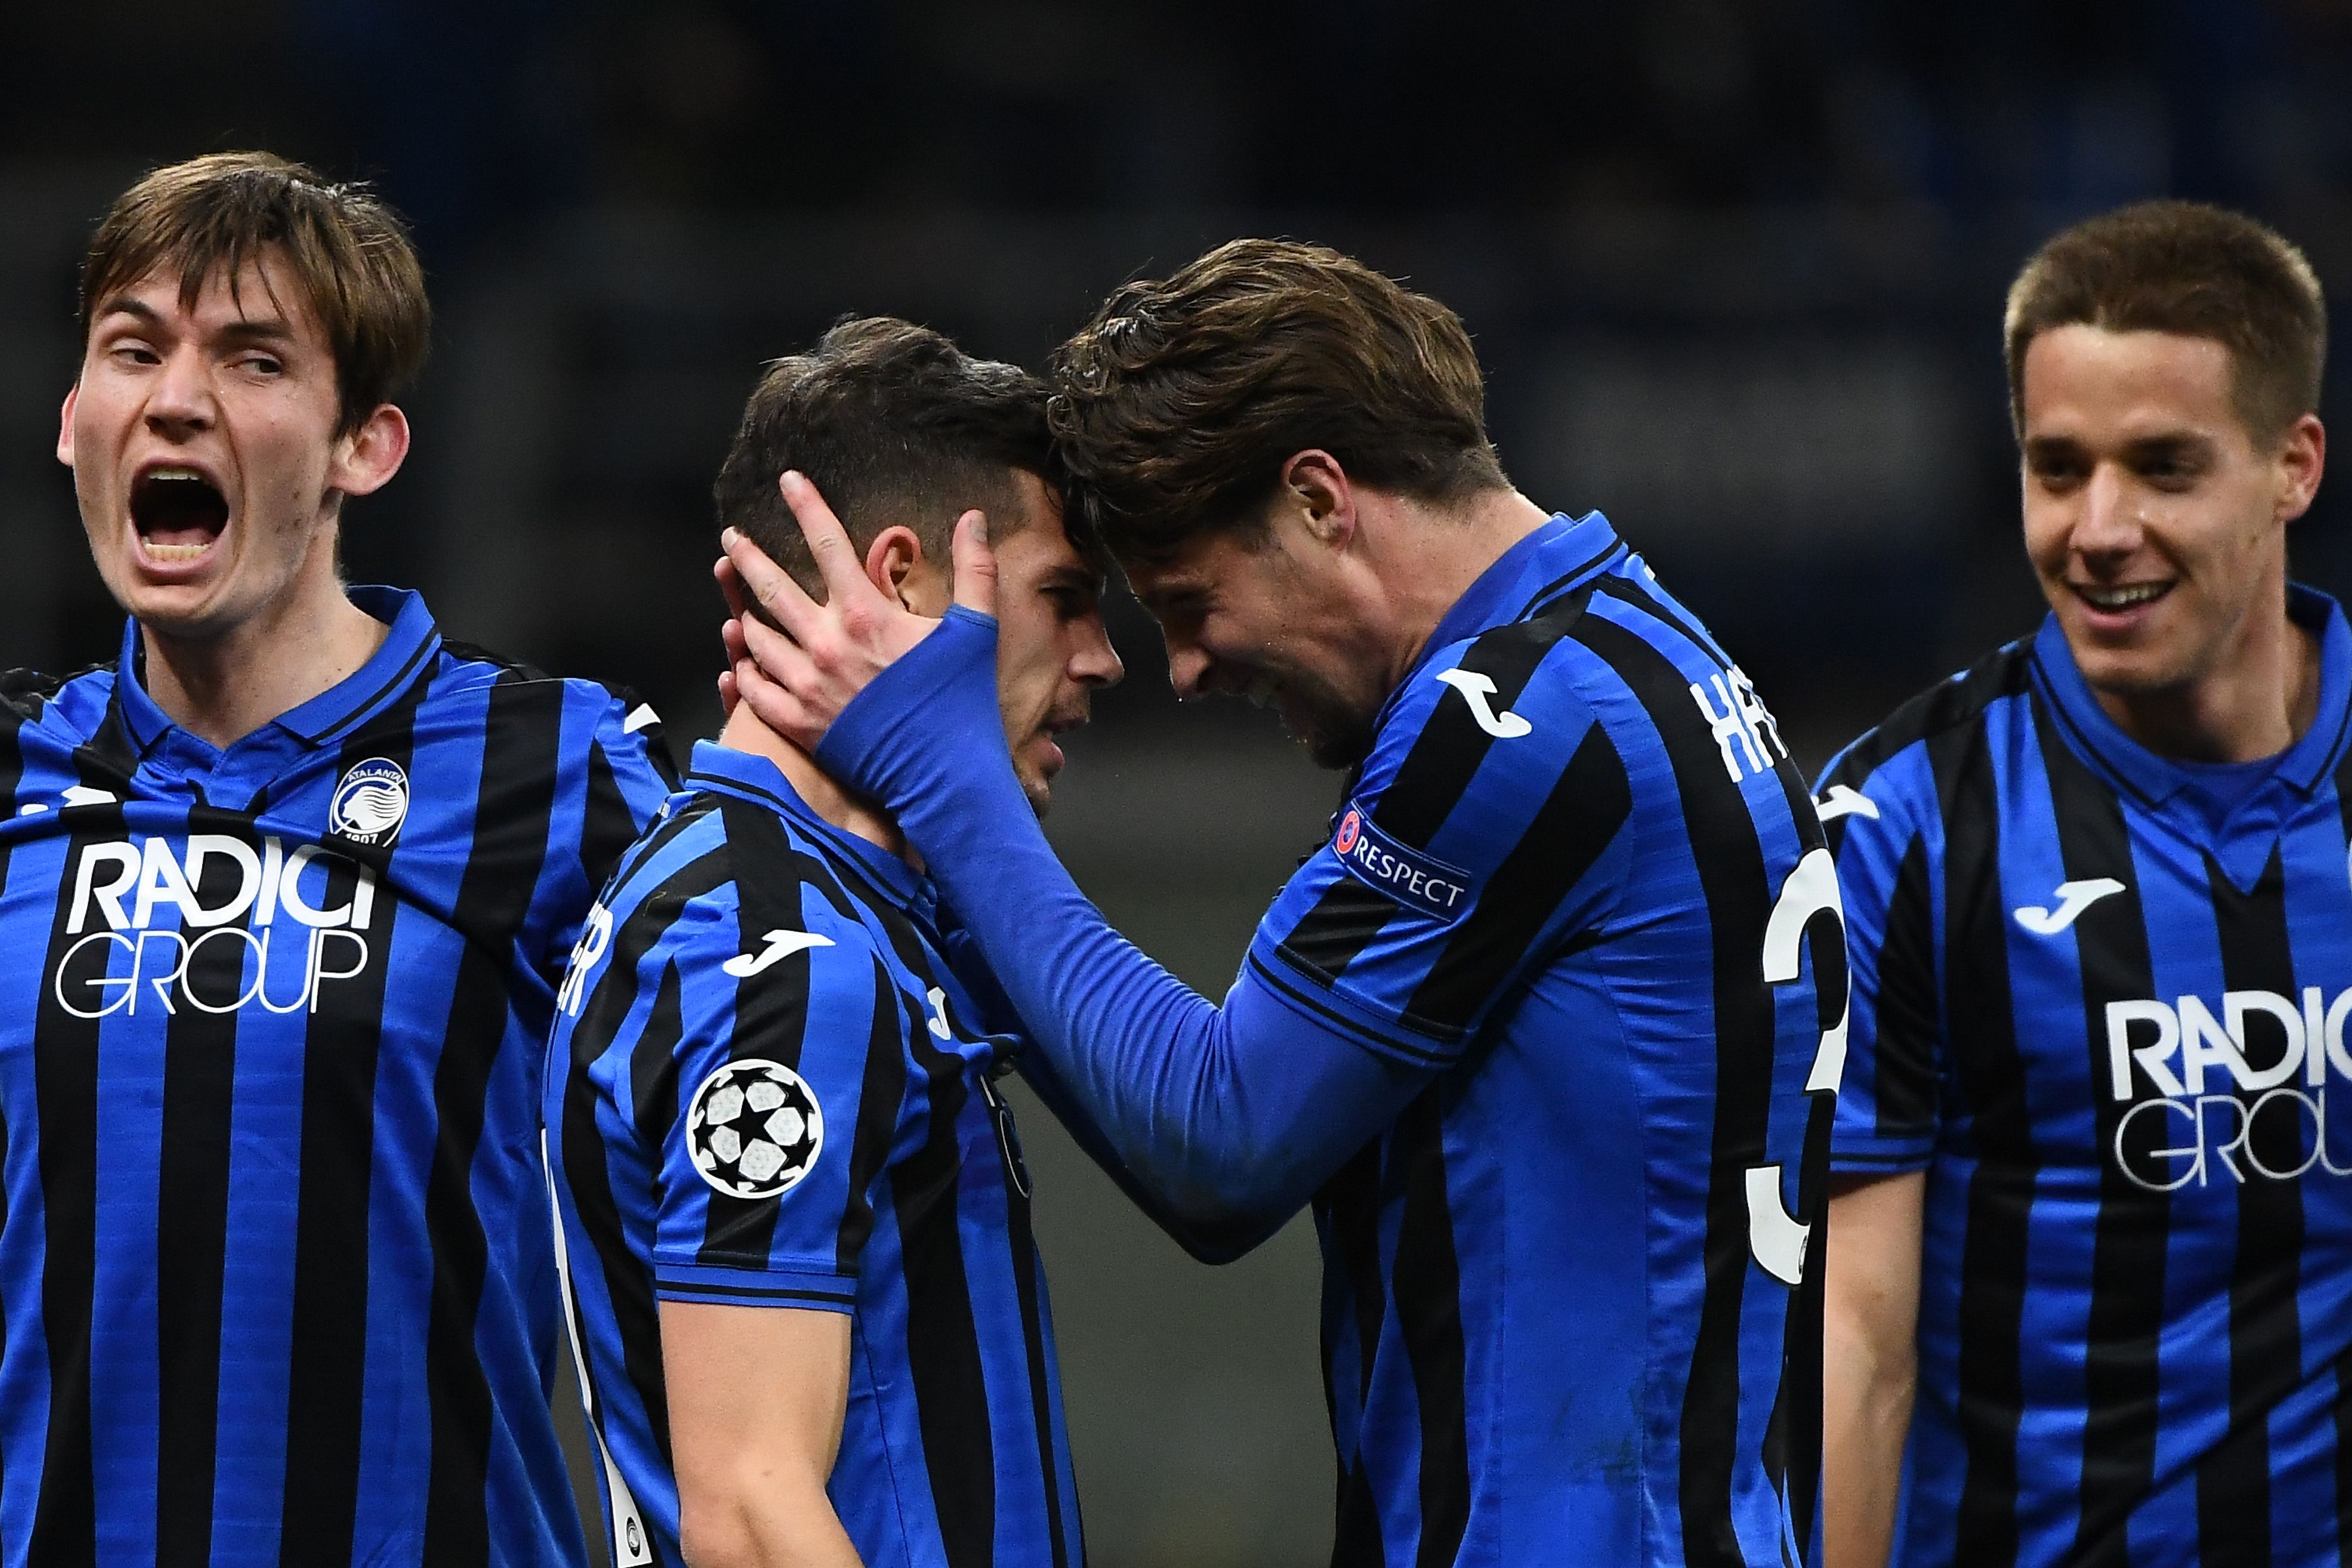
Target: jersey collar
{"x":412,"y":640}
{"x":1547,"y":563}
{"x":759,"y":781}
{"x":2157,"y":779}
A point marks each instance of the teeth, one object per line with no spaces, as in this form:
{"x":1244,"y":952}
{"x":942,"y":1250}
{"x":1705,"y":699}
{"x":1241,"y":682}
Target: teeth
{"x":2122,"y":599}
{"x":175,"y":552}
{"x":175,"y":473}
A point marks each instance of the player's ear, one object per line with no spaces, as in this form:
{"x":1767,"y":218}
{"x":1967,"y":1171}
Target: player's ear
{"x":65,"y":424}
{"x":366,"y":459}
{"x":2302,"y":458}
{"x":1315,"y":490}
{"x":895,"y":563}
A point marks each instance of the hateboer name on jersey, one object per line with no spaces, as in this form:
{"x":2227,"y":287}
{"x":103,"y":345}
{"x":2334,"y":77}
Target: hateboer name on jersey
{"x":2190,"y":1068}
{"x":304,"y":916}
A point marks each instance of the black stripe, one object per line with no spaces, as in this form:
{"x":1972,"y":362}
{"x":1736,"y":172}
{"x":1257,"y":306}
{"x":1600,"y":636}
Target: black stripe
{"x":2233,"y":1491}
{"x":942,"y":1338}
{"x":607,"y":825}
{"x":1344,"y":921}
{"x":1728,"y":858}
{"x":328,"y":1350}
{"x":1426,"y":1285}
{"x":1416,"y":1050}
{"x":513,"y":809}
{"x":1992,"y":1084}
{"x":1946,"y":705}
{"x":1355,"y":1301}
{"x":1026,"y":1269}
{"x":1574,"y":827}
{"x":65,"y":1089}
{"x":772,"y":1005}
{"x":2127,"y":1246}
{"x":653,"y":1111}
{"x":17,"y":698}
{"x":411,"y":669}
{"x":192,"y":1212}
{"x":880,"y":1093}
{"x":1909,"y":1019}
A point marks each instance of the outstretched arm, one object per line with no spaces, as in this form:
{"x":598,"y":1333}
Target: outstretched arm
{"x":1230,"y":1116}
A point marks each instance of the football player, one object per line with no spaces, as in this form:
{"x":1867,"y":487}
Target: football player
{"x":1545,"y":1031}
{"x":797,"y":1222}
{"x":288,"y":891}
{"x":2092,"y":1266}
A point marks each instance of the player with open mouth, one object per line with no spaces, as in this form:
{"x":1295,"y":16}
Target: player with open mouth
{"x":289,"y":890}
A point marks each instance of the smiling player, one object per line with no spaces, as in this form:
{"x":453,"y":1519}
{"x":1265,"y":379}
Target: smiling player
{"x":287,"y":890}
{"x":2092,"y":1243}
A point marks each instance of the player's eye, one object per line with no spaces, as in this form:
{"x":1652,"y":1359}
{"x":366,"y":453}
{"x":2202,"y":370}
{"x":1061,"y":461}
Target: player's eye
{"x":263,"y":365}
{"x":133,"y":354}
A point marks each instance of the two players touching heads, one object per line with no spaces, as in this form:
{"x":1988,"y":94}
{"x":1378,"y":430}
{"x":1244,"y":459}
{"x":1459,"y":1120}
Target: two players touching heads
{"x":1549,"y":1033}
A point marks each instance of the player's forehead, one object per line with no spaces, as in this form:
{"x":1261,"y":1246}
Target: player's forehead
{"x":2082,"y":380}
{"x":260,"y":298}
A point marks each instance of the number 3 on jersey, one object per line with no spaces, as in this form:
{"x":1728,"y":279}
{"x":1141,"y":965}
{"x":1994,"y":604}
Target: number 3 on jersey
{"x":1775,"y":1236}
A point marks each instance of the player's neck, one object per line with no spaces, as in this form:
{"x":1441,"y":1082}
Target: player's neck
{"x":2256,"y":704}
{"x":851,"y":814}
{"x":1431,"y":566}
{"x":223,"y":688}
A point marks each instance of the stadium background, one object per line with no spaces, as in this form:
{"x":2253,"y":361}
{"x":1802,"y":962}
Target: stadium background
{"x":1734,"y":268}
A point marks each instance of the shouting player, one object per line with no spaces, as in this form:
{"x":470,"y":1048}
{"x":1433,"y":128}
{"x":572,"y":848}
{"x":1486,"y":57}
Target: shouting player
{"x":288,"y":891}
{"x":795,"y":1220}
{"x":1537,"y":1029}
{"x":2092,"y":1253}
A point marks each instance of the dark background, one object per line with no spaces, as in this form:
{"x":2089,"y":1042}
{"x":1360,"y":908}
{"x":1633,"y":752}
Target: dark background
{"x":1735,"y":269}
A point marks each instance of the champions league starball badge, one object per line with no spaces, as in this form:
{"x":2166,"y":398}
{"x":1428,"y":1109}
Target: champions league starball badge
{"x":753,"y":1128}
{"x":371,"y":803}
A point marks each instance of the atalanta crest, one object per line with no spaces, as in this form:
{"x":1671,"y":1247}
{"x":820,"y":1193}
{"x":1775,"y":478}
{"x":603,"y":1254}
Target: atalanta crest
{"x":371,"y":803}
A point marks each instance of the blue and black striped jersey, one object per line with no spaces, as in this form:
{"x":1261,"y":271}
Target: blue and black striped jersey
{"x":2099,"y":998}
{"x":766,"y":1088}
{"x":274,"y":1279}
{"x":1568,"y":1315}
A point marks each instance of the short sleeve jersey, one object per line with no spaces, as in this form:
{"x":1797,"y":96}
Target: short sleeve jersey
{"x":274,"y":1274}
{"x":2099,"y":998}
{"x":767,"y":1088}
{"x":1577,"y":887}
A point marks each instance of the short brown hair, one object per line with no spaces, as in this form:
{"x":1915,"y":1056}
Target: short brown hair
{"x":349,"y":252}
{"x":1175,"y":407}
{"x":2195,"y":270}
{"x":894,"y":424}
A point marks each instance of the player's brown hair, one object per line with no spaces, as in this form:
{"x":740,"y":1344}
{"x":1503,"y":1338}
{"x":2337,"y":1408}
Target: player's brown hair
{"x":894,"y":426}
{"x":1175,"y":407}
{"x":341,"y":245}
{"x":2195,"y":270}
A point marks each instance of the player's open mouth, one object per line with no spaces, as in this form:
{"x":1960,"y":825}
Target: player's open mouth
{"x":1263,"y":691}
{"x":2123,"y":597}
{"x":179,"y":514}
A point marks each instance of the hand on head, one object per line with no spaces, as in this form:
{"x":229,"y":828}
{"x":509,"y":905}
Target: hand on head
{"x":799,"y":680}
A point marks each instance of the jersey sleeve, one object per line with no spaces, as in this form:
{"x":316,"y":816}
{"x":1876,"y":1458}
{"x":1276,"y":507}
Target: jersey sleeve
{"x":1887,"y":1106}
{"x":1478,"y":840}
{"x":778,"y":1046}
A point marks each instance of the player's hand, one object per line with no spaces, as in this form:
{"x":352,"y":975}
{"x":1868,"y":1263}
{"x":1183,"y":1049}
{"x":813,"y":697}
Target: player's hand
{"x":799,"y":680}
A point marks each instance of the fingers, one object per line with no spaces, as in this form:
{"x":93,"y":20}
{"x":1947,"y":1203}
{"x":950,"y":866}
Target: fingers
{"x":774,"y":654}
{"x":730,"y":585}
{"x":775,"y":707}
{"x":728,"y":695}
{"x":763,"y":580}
{"x":975,"y":564}
{"x":837,"y":560}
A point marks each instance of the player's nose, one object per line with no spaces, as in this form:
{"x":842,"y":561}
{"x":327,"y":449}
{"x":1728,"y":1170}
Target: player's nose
{"x":1188,"y":668}
{"x":180,"y":395}
{"x":2110,"y":522}
{"x":1096,"y":662}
